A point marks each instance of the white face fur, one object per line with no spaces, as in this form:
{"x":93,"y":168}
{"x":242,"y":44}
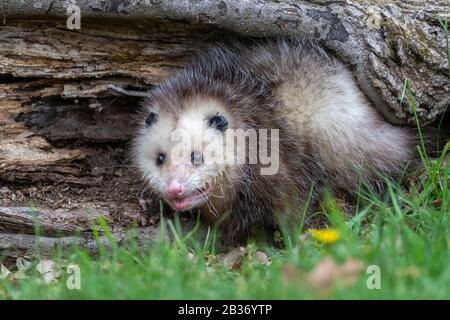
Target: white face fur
{"x":175,"y":155}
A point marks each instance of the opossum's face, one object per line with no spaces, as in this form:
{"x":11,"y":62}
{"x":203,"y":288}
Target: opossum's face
{"x":182,"y":156}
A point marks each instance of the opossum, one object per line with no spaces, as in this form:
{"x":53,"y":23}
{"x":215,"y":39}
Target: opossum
{"x":303,"y":105}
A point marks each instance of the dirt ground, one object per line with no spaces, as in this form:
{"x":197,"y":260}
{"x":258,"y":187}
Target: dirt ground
{"x":108,"y":183}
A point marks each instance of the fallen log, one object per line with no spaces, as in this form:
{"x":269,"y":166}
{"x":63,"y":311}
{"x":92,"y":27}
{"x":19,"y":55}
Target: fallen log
{"x":27,"y":232}
{"x":28,"y":246}
{"x":384,"y":42}
{"x":64,"y":134}
{"x":23,"y":220}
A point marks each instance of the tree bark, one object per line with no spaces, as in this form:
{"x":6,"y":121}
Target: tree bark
{"x":57,"y":231}
{"x":384,"y":42}
{"x":15,"y":245}
{"x":61,"y":128}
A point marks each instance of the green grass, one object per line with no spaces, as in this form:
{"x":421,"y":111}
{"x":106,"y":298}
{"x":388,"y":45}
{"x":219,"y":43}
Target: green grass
{"x":406,"y":235}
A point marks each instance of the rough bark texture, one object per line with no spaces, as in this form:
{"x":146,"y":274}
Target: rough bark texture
{"x":385,"y":42}
{"x":64,"y":135}
{"x":64,"y":229}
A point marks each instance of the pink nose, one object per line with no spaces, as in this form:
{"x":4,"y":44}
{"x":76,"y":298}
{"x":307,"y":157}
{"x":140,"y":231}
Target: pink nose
{"x":175,"y":189}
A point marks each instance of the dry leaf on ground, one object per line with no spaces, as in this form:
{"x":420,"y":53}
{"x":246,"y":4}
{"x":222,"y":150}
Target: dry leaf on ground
{"x":49,"y":271}
{"x":327,"y":274}
{"x":233,"y":259}
{"x":4,"y":272}
{"x":324,"y":276}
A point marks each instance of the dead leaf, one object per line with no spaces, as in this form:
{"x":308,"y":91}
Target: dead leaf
{"x":22,"y":264}
{"x":324,"y":276}
{"x":210,"y":258}
{"x":290,"y":275}
{"x":327,"y":274}
{"x":349,"y":272}
{"x":233,"y":258}
{"x":191,"y":256}
{"x":4,"y":272}
{"x":263,"y":258}
{"x":49,"y":271}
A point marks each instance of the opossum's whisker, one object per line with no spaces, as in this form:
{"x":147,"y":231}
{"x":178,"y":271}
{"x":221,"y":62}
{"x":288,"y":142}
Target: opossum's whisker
{"x":214,"y":210}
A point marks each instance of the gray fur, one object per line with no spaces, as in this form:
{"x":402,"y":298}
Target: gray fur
{"x":250,"y":79}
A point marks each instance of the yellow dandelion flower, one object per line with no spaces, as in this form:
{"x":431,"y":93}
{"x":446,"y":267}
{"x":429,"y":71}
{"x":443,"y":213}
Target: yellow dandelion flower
{"x":327,"y":236}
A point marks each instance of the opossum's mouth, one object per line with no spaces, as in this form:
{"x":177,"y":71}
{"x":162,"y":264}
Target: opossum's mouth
{"x":191,"y":200}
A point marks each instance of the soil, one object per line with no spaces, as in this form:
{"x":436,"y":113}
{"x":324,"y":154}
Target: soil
{"x":108,"y":183}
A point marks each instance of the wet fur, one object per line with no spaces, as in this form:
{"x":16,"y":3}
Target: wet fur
{"x":330,"y":136}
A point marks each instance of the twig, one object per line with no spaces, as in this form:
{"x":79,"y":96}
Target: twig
{"x":130,"y":93}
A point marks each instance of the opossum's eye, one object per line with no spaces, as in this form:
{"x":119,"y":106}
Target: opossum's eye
{"x":218,"y":122}
{"x":196,"y":157}
{"x":161,"y":159}
{"x":151,"y":118}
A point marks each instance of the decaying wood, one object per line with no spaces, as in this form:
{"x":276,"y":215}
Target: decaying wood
{"x":13,"y":245}
{"x":49,"y":223}
{"x":58,"y":229}
{"x":61,"y":124}
{"x":64,"y":229}
{"x":54,"y":85}
{"x":24,"y":153}
{"x":385,"y":42}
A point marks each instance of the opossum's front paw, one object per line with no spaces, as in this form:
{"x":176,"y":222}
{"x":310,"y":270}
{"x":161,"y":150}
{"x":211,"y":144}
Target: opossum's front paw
{"x":150,"y":207}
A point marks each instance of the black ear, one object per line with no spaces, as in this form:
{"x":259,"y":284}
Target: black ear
{"x":218,"y":122}
{"x":151,"y":118}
